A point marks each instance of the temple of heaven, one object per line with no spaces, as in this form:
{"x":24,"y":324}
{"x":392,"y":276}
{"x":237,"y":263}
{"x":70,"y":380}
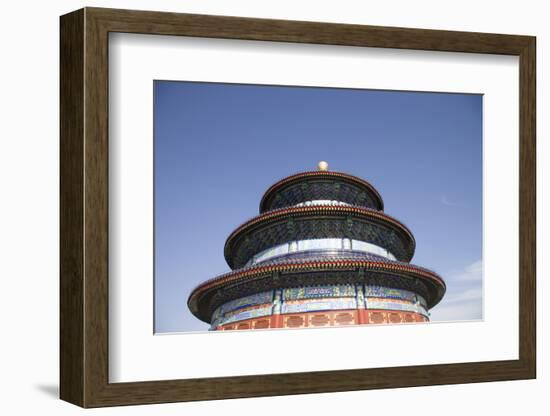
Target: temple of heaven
{"x":321,"y":253}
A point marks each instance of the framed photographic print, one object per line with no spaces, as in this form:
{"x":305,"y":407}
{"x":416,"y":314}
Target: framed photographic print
{"x":255,"y":207}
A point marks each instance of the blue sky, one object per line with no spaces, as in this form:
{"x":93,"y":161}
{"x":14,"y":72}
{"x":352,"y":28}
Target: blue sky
{"x":218,"y":147}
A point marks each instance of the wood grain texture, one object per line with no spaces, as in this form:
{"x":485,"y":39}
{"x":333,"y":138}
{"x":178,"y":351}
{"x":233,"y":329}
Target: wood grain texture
{"x":71,"y":100}
{"x":527,"y":208}
{"x":84,"y":207}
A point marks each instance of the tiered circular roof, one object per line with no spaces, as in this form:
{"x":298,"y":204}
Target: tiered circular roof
{"x":317,"y":205}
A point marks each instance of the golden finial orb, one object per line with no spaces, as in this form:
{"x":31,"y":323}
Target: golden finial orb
{"x":322,"y":165}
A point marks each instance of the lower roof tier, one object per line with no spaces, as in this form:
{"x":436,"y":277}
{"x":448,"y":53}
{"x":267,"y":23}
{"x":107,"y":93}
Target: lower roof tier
{"x":307,"y":269}
{"x":319,"y":221}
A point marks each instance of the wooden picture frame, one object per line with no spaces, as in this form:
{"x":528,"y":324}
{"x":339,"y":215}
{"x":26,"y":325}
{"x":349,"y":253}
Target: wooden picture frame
{"x":84,"y":207}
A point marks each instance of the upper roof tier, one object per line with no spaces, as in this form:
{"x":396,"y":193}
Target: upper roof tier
{"x":321,"y":185}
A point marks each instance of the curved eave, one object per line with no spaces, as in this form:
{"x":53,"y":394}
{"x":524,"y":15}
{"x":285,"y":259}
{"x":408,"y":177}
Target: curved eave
{"x":290,"y":180}
{"x":314,"y":210}
{"x":251,"y":273}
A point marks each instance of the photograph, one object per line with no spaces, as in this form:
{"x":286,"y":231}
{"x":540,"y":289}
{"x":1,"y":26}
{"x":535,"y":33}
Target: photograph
{"x":292,"y":207}
{"x":283,"y":204}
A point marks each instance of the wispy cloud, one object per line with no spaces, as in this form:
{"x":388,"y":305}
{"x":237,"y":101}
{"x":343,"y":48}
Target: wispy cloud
{"x":470,"y":273}
{"x":464,"y":297}
{"x":468,"y":295}
{"x":464,"y":311}
{"x":446,"y":201}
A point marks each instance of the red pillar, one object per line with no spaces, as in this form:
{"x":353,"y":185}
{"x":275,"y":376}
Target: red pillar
{"x":362,"y":317}
{"x":276,"y":321}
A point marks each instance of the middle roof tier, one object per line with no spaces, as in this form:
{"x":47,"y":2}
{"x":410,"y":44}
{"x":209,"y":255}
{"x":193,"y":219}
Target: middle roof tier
{"x":286,"y":225}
